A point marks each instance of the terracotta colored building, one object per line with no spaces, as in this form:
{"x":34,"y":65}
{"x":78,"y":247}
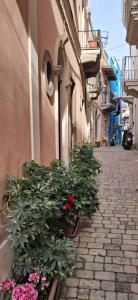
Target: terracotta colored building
{"x":46,"y":60}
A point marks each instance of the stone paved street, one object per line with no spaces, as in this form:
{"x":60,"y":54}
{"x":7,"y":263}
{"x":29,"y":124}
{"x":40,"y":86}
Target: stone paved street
{"x":109,"y":241}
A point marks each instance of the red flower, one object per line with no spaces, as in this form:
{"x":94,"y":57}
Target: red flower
{"x":67,"y":206}
{"x":71,"y":198}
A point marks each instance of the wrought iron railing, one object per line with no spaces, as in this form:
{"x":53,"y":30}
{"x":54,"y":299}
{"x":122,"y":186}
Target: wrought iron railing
{"x":94,"y":85}
{"x":130,"y":68}
{"x":93,"y":38}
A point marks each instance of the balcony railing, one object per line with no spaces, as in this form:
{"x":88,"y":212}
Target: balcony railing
{"x":94,"y":87}
{"x":94,"y":84}
{"x":130,"y":68}
{"x":93,"y":39}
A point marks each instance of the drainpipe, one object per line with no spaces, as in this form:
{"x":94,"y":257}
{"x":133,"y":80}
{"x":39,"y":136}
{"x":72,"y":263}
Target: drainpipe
{"x":33,"y":79}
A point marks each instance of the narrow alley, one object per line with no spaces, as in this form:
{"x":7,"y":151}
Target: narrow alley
{"x":109,"y":242}
{"x":69,"y":99}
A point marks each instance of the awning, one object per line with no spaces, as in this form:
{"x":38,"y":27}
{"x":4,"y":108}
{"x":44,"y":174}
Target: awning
{"x":110,"y":73}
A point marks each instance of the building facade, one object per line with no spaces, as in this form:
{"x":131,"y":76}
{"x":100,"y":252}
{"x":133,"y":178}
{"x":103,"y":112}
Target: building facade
{"x":49,"y":58}
{"x":108,"y":114}
{"x":130,"y":63}
{"x":115,"y":97}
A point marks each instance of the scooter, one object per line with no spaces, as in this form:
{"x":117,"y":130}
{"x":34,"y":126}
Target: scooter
{"x":127,"y":139}
{"x":113,"y":140}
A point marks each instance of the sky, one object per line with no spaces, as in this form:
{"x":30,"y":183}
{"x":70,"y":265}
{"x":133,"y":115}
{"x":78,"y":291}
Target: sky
{"x":106,"y":15}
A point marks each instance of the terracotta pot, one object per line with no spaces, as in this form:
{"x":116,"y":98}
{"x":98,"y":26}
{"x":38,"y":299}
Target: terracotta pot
{"x":93,"y":43}
{"x":54,"y":292}
{"x":71,"y":230}
{"x":104,"y":144}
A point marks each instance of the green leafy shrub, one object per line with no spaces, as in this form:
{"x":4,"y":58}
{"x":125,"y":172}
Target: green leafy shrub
{"x":83,"y":161}
{"x":84,"y":192}
{"x":54,"y":257}
{"x":82,"y":152}
{"x":71,"y":191}
{"x":35,"y":230}
{"x":41,"y":203}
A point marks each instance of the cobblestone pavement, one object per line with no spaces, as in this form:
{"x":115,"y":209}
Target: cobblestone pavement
{"x":109,"y":241}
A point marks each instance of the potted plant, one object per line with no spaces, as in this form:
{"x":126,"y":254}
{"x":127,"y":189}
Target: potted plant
{"x":36,"y":236}
{"x":71,"y":217}
{"x":84,"y":190}
{"x":83,"y":161}
{"x":97,"y":143}
{"x":104,"y":142}
{"x":93,"y":43}
{"x":58,"y":190}
{"x":64,"y":183}
{"x":36,"y":287}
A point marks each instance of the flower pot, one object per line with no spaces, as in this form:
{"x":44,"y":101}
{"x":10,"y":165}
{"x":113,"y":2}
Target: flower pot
{"x":97,"y":144}
{"x":104,"y":144}
{"x":71,"y":230}
{"x":93,"y":43}
{"x":54,"y":291}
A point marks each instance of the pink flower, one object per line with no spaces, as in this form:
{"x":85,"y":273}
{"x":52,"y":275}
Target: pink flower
{"x":7,"y":284}
{"x":25,"y":292}
{"x":71,"y":198}
{"x":44,"y":284}
{"x":16,"y":293}
{"x":34,"y":277}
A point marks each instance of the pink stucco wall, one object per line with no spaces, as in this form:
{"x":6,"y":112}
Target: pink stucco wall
{"x":47,"y":35}
{"x":51,"y":31}
{"x":15,"y":145}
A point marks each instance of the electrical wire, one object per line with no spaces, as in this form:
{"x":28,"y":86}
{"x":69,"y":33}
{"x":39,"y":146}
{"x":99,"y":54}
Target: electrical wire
{"x":117,"y":47}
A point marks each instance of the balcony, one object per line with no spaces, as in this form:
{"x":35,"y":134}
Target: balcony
{"x":130,"y":20}
{"x":93,"y":88}
{"x":107,"y":107}
{"x":132,"y":31}
{"x":91,"y":44}
{"x":130,"y":75}
{"x":109,"y":72}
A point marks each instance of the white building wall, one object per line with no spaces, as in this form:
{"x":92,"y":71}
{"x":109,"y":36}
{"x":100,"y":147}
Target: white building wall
{"x":134,"y":52}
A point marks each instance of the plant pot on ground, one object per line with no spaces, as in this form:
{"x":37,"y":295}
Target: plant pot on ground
{"x":104,"y":142}
{"x":34,"y":288}
{"x":71,"y":230}
{"x":55,"y":289}
{"x":97,"y":143}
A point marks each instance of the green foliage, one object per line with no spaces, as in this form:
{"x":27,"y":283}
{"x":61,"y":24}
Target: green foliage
{"x":85,"y":193}
{"x":83,"y":168}
{"x":35,"y":230}
{"x":83,"y":161}
{"x":82,"y":153}
{"x":54,"y":257}
{"x":39,"y":172}
{"x":41,"y":203}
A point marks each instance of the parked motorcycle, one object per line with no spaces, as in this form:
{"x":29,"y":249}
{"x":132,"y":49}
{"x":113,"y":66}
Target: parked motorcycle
{"x":127,"y":139}
{"x":113,"y":140}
